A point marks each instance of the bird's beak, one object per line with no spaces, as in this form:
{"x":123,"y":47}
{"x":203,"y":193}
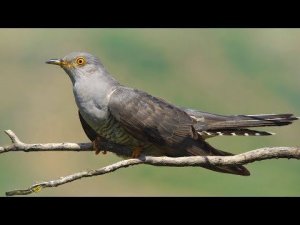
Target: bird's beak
{"x":58,"y":62}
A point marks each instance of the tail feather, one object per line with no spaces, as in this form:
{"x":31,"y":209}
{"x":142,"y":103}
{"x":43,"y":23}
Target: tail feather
{"x":233,"y":132}
{"x":214,"y":122}
{"x":210,"y":125}
{"x":256,"y":121}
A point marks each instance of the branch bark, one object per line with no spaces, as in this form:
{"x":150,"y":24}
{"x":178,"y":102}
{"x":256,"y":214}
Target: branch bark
{"x":19,"y":146}
{"x":240,"y":159}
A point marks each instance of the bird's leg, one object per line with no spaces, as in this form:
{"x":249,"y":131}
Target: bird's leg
{"x":96,"y":146}
{"x":136,"y":152}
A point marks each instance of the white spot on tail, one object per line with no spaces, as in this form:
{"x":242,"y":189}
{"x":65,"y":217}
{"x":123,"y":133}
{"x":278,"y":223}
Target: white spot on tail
{"x":257,"y":134}
{"x":246,"y":134}
{"x":233,"y":134}
{"x":220,"y":133}
{"x":205,"y":133}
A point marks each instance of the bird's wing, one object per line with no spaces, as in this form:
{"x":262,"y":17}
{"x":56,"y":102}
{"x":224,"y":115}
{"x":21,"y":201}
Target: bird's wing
{"x":87,"y":129}
{"x":150,"y":119}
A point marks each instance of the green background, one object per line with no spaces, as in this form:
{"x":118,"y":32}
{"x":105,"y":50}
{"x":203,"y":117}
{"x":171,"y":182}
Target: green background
{"x":225,"y":71}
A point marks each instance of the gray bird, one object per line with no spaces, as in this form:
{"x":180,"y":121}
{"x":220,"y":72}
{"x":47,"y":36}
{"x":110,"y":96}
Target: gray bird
{"x":150,"y":125}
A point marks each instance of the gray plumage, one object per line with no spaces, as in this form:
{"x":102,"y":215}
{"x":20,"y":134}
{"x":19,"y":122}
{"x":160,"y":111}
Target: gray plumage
{"x":136,"y":119}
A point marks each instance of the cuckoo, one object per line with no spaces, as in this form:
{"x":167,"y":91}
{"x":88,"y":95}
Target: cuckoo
{"x":150,"y":125}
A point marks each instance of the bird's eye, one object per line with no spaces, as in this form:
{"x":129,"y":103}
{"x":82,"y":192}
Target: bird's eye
{"x":80,"y":61}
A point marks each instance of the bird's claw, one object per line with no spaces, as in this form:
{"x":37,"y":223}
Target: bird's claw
{"x":96,"y":146}
{"x":136,"y":152}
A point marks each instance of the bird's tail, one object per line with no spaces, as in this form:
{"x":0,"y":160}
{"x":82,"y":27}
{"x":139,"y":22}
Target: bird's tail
{"x":209,"y":125}
{"x":244,"y":121}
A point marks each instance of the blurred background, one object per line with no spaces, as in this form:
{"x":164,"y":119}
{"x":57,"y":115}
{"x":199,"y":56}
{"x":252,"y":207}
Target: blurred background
{"x":225,"y":71}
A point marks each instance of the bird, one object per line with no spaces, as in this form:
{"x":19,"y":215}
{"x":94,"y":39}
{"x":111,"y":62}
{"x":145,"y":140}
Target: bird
{"x":149,"y":125}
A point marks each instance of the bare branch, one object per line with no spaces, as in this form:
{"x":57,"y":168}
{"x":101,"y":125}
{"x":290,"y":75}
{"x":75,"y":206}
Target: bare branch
{"x":19,"y":146}
{"x":240,"y":159}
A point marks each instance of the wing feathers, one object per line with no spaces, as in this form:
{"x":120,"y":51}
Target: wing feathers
{"x":149,"y":118}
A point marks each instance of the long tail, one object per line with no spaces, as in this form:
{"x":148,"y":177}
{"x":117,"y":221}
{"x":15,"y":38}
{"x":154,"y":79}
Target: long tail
{"x":209,"y":125}
{"x":243,"y":121}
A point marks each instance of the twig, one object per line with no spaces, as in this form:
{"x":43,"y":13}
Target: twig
{"x":240,"y":159}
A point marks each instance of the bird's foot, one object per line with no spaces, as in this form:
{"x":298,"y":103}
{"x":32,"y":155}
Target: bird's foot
{"x":136,"y":152}
{"x":96,"y":146}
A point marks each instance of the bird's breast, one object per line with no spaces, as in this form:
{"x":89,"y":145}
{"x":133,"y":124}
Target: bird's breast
{"x":93,"y":107}
{"x":100,"y":119}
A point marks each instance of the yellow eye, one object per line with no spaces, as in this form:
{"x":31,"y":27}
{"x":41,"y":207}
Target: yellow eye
{"x":80,"y":61}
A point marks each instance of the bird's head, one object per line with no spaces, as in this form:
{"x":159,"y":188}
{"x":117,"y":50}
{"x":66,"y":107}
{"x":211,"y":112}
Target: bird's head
{"x":78,"y":65}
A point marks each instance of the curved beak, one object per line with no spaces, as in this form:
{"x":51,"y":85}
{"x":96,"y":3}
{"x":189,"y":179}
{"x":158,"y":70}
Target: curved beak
{"x":58,"y":62}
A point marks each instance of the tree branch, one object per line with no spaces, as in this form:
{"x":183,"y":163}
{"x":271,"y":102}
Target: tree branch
{"x":19,"y":146}
{"x":240,"y":159}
